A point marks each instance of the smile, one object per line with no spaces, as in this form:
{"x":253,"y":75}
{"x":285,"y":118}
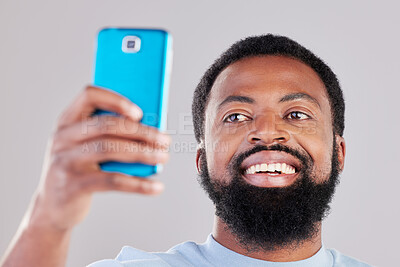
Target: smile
{"x":272,"y":168}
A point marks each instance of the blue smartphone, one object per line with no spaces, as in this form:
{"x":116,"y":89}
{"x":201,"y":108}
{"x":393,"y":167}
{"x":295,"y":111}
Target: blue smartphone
{"x":135,"y":63}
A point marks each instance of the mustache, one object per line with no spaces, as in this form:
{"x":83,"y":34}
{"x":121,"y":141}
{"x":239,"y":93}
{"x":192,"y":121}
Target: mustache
{"x":304,"y":158}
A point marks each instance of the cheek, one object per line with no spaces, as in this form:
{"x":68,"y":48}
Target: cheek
{"x":221,"y":145}
{"x":317,"y":142}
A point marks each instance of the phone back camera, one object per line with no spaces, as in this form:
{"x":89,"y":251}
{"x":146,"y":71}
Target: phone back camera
{"x":131,"y":44}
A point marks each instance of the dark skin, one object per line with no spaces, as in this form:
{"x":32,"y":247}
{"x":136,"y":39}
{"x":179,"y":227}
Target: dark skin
{"x":71,"y":174}
{"x":286,"y":103}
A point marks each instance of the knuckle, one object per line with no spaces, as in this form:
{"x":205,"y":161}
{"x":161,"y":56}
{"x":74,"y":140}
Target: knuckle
{"x":113,"y":181}
{"x":135,"y":154}
{"x":89,"y":88}
{"x":85,"y":97}
{"x":145,"y":157}
{"x":59,"y":159}
{"x":102,"y":125}
{"x":150,"y":157}
{"x":142,"y":187}
{"x":87,"y":94}
{"x":131,"y":127}
{"x":107,"y":125}
{"x":150,"y":133}
{"x":90,"y":182}
{"x":100,"y":147}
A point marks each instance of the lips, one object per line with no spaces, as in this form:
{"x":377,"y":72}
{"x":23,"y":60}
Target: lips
{"x":270,"y":169}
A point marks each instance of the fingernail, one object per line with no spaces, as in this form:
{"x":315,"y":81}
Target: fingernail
{"x":136,"y":112}
{"x":162,"y":155}
{"x":158,"y":186}
{"x":165,"y":140}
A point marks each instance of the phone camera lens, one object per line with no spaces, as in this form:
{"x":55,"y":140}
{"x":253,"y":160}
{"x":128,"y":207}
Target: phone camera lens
{"x":131,"y":44}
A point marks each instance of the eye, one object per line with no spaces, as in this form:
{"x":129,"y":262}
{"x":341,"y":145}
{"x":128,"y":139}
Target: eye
{"x":297,"y":115}
{"x":235,"y":117}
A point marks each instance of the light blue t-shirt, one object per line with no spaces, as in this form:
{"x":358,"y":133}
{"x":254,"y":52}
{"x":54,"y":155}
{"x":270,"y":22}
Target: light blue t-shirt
{"x":211,"y":253}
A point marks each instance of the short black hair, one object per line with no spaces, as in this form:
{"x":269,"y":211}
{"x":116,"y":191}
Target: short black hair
{"x":264,"y":45}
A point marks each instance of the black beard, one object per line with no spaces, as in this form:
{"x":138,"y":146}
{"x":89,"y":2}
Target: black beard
{"x":272,"y":218}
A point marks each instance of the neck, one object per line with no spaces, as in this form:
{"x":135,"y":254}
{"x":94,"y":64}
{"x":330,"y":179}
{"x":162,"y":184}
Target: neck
{"x":307,"y":249}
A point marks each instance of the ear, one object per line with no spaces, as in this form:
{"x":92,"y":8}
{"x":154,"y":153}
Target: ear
{"x":341,"y":149}
{"x":199,"y":157}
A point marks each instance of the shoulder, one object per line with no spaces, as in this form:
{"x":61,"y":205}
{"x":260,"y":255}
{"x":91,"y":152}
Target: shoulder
{"x":340,"y":260}
{"x":184,"y":254}
{"x":129,"y":256}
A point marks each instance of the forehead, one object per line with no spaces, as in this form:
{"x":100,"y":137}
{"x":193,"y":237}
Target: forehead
{"x":269,"y":77}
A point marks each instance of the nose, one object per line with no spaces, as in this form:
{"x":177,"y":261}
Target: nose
{"x":268,"y":129}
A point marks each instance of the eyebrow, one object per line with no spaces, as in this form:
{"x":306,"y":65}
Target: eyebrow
{"x":286,"y":98}
{"x":297,"y":96}
{"x":236,"y":98}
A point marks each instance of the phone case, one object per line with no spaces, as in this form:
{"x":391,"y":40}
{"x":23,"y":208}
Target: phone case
{"x":142,"y":77}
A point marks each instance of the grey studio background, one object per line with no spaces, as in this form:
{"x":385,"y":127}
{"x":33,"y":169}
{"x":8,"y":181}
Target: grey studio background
{"x":46,"y":55}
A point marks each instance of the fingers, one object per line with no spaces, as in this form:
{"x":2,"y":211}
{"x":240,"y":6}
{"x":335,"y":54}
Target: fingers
{"x":93,"y":98}
{"x":109,"y":126}
{"x":102,"y":181}
{"x":87,"y":156}
{"x":81,"y":141}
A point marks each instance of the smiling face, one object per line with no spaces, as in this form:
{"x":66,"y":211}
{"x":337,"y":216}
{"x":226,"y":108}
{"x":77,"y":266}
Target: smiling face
{"x":270,"y":159}
{"x":263,"y":101}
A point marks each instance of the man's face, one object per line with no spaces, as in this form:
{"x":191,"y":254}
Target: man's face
{"x":270,"y":160}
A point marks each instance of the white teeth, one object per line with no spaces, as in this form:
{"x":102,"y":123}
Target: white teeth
{"x":272,"y":167}
{"x":283,"y":170}
{"x":253,"y":169}
{"x":278,"y":167}
{"x":258,"y":167}
{"x":264,"y":167}
{"x":290,"y":170}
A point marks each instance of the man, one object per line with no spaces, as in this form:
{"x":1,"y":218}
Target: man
{"x":269,"y":119}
